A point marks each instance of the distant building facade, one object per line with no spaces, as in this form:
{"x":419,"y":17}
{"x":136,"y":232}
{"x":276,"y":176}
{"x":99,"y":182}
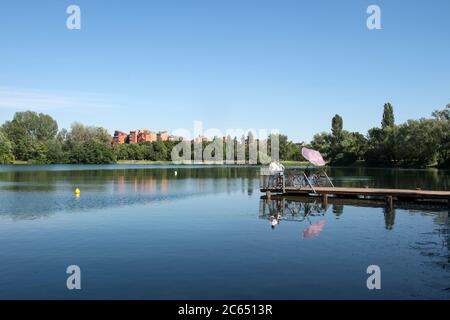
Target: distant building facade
{"x":119,"y":137}
{"x":143,"y":135}
{"x":146,"y":135}
{"x":163,"y":136}
{"x":133,"y":136}
{"x":201,"y":139}
{"x":174,"y":138}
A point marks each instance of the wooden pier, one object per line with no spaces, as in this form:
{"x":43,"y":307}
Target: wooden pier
{"x":390,"y":195}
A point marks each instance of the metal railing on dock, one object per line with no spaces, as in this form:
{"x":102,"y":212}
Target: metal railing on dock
{"x":318,"y":183}
{"x":294,"y":179}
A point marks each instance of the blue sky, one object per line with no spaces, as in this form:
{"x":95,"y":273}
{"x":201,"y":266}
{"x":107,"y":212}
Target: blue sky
{"x":289,"y":65}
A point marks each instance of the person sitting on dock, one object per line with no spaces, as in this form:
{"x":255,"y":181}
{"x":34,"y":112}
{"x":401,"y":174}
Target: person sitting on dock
{"x":275,"y":167}
{"x":276,"y":170}
{"x":280,"y":167}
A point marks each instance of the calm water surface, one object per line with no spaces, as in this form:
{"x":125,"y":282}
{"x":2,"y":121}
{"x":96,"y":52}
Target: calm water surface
{"x":144,"y":232}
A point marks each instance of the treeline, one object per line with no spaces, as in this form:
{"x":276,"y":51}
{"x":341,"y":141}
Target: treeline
{"x":416,"y":143}
{"x":36,"y":138}
{"x":161,"y":151}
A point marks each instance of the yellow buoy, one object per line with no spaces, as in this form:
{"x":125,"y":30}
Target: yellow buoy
{"x":77,"y":191}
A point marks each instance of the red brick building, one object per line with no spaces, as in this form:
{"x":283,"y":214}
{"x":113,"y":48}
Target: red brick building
{"x":143,"y":135}
{"x":133,"y":136}
{"x":146,"y":135}
{"x":163,"y":136}
{"x":119,"y":137}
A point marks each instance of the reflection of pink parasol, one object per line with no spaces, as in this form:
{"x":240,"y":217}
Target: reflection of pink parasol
{"x":313,"y":156}
{"x":314,"y":229}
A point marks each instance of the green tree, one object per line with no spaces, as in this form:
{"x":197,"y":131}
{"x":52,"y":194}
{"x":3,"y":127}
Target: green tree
{"x":293,"y":151}
{"x":24,"y":148}
{"x":382,"y":142}
{"x":388,"y":116}
{"x":89,"y":145}
{"x":418,"y":140}
{"x":442,"y":131}
{"x":148,"y":151}
{"x":39,"y":126}
{"x":337,"y":136}
{"x":135,"y":152}
{"x":30,"y":132}
{"x":354,"y":146}
{"x":121,"y":152}
{"x":337,"y":125}
{"x":283,"y":145}
{"x":94,"y":152}
{"x":322,"y":142}
{"x":160,"y":150}
{"x":379,"y":151}
{"x":6,"y":150}
{"x":55,"y":151}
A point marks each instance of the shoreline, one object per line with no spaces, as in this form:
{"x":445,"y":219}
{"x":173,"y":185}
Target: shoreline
{"x":170,"y":163}
{"x":165,"y":163}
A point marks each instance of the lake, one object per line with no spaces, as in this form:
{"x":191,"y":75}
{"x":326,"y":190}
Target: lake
{"x":193,"y":232}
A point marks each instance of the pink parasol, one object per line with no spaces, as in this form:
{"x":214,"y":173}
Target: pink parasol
{"x":313,"y":156}
{"x":314,"y":229}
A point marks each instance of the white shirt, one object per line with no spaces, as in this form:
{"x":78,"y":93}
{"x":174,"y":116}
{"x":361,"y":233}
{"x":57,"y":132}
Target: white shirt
{"x":276,"y":168}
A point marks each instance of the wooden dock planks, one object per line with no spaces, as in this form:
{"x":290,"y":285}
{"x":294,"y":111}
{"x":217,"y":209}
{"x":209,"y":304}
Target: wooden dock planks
{"x":365,"y":192}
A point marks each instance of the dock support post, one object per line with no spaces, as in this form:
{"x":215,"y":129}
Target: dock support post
{"x":324,"y":201}
{"x":268,"y":195}
{"x":390,"y":202}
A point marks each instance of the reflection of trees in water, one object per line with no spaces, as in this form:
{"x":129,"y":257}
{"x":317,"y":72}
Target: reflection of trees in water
{"x":443,"y":230}
{"x":432,"y":179}
{"x":36,"y":194}
{"x":250,"y":189}
{"x":101,"y":176}
{"x":338,"y":209}
{"x":28,"y":206}
{"x":435,"y":246}
{"x":389,"y":218}
{"x":108,"y":172}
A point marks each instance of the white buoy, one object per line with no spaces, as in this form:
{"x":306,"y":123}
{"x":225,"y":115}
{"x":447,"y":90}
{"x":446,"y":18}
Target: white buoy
{"x":176,"y":173}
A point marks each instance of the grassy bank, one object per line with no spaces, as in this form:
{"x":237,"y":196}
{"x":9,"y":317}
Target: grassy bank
{"x":125,"y":162}
{"x":143,"y":162}
{"x":285,"y":163}
{"x":294,"y":163}
{"x":19,"y":162}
